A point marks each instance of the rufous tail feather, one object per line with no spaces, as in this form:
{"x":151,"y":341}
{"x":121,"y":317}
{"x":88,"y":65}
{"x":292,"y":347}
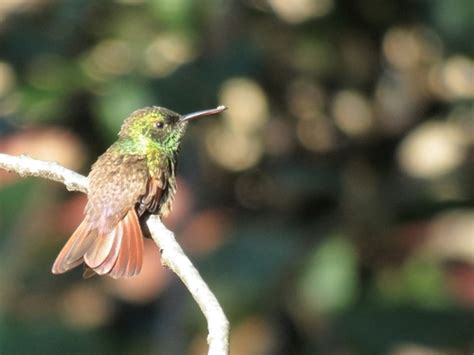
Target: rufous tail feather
{"x":118,"y":253}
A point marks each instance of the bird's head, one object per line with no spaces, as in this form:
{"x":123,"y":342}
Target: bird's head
{"x":160,"y":126}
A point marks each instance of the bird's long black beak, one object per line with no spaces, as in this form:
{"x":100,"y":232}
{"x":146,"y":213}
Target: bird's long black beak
{"x":194,"y":115}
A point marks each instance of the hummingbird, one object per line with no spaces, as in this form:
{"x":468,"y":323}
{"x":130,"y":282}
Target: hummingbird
{"x":134,"y":178}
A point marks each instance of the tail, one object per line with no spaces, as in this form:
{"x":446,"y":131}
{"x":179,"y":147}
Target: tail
{"x":117,"y":254}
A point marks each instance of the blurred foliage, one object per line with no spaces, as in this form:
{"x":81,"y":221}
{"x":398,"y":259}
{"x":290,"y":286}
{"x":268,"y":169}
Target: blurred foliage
{"x":330,"y":208}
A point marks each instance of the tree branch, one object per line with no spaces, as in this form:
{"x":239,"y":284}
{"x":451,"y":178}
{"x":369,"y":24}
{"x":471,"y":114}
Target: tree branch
{"x":172,"y":256}
{"x":26,"y":166}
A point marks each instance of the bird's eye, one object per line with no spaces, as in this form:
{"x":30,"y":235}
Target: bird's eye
{"x":159,"y":125}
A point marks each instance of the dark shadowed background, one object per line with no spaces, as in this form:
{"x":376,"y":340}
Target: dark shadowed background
{"x":330,"y":208}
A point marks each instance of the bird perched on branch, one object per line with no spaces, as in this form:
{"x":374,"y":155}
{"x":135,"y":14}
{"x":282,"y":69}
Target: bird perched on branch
{"x":134,"y":178}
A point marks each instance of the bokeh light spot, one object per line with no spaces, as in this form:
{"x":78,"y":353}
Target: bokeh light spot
{"x":85,"y":306}
{"x":233,"y":151}
{"x":459,"y":226}
{"x":352,"y":113}
{"x":166,"y":53}
{"x":145,"y":287}
{"x":406,"y":48}
{"x":7,"y":78}
{"x":247,"y":103}
{"x":431,"y":150}
{"x":298,"y":11}
{"x":53,"y":144}
{"x":329,"y":281}
{"x":458,"y":76}
{"x":109,"y":58}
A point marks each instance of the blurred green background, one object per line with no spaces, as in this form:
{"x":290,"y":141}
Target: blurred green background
{"x":330,"y":208}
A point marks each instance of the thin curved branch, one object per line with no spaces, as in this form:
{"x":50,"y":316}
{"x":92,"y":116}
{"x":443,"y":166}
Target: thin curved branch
{"x":25,"y":166}
{"x":172,"y":256}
